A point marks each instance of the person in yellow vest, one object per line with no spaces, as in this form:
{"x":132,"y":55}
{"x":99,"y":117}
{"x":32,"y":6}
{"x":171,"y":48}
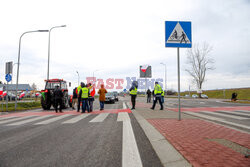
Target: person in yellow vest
{"x":84,"y":93}
{"x":162,"y":96}
{"x":78,"y":96}
{"x":91,"y":98}
{"x":133,"y":93}
{"x":157,"y":95}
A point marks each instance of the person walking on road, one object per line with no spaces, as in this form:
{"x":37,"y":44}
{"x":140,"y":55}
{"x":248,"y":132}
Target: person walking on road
{"x":157,"y":95}
{"x":79,"y":88}
{"x":84,"y":94}
{"x":162,"y":96}
{"x":148,"y":96}
{"x":74,"y":98}
{"x":58,"y":95}
{"x":133,"y":93}
{"x":102,"y":93}
{"x":91,"y":96}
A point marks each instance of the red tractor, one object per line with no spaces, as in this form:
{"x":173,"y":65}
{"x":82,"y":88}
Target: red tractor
{"x":48,"y":93}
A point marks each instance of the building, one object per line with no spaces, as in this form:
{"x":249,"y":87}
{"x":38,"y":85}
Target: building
{"x":12,"y":87}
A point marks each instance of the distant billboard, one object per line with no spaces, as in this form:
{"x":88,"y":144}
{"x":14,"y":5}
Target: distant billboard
{"x":145,"y":71}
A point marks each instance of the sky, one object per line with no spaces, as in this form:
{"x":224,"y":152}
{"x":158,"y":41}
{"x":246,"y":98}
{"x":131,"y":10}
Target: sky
{"x":112,"y":38}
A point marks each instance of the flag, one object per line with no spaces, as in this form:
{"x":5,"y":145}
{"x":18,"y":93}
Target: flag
{"x":144,"y":68}
{"x":22,"y":95}
{"x":92,"y":92}
{"x":4,"y":93}
{"x":1,"y":90}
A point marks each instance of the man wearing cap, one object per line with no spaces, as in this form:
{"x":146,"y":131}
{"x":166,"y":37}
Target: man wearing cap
{"x":157,"y":95}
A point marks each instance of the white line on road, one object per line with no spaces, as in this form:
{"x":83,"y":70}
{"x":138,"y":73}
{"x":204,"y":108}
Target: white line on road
{"x":15,"y":119}
{"x":76,"y":119}
{"x":224,"y":115}
{"x":4,"y":118}
{"x":29,"y":120}
{"x":236,"y":112}
{"x":217,"y":119}
{"x":100,"y":117}
{"x":130,"y":154}
{"x":124,"y":105}
{"x":52,"y":119}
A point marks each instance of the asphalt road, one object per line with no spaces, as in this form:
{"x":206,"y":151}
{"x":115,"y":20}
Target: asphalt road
{"x":33,"y":141}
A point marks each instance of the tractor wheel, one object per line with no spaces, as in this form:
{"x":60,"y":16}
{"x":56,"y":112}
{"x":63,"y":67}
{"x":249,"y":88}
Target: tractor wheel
{"x":65,"y":101}
{"x":45,"y":105}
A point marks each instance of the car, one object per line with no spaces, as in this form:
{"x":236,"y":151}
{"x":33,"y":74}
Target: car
{"x":195,"y":96}
{"x":204,"y":96}
{"x":186,"y":96}
{"x":110,"y":98}
{"x":116,"y":96}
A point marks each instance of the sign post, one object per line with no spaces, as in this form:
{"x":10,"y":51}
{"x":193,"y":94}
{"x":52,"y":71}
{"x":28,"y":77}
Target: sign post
{"x":178,"y":34}
{"x":8,"y":79}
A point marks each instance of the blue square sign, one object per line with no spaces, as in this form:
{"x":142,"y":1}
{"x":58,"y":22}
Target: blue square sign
{"x":178,"y":34}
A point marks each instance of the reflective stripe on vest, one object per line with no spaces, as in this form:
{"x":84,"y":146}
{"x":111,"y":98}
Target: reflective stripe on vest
{"x":157,"y":89}
{"x":134,"y":91}
{"x":85,"y":92}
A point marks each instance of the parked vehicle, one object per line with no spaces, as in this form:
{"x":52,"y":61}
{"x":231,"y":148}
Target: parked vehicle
{"x":116,"y":96}
{"x":204,"y":96}
{"x":48,"y":93}
{"x":110,"y":98}
{"x":195,"y":96}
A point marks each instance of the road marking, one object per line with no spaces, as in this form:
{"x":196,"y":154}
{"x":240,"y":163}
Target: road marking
{"x":100,"y":117}
{"x":130,"y":154}
{"x":76,"y":119}
{"x":224,"y":115}
{"x":15,"y":119}
{"x":217,"y":119}
{"x":236,"y":112}
{"x":52,"y":119}
{"x":124,"y":105}
{"x":122,"y":116}
{"x":244,"y":111}
{"x":29,"y":120}
{"x":3,"y":118}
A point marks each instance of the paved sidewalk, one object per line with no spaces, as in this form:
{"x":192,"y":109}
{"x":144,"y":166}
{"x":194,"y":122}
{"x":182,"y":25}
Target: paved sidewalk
{"x":202,"y":143}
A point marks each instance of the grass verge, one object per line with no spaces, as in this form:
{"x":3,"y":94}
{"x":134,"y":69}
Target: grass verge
{"x":21,"y":106}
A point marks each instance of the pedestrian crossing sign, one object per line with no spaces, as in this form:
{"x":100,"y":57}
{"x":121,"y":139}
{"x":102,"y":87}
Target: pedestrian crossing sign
{"x":178,"y":34}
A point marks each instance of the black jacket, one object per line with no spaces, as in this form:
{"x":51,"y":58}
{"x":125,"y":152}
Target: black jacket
{"x":58,"y":94}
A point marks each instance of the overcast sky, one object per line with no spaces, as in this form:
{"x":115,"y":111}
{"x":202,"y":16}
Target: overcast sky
{"x":116,"y":36}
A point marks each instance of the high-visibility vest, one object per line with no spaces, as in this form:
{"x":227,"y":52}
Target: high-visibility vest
{"x":78,"y":89}
{"x":157,"y":89}
{"x":162,"y":93}
{"x":85,"y":93}
{"x":133,"y":91}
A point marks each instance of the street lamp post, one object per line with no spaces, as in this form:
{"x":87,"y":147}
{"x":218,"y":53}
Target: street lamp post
{"x":13,"y":71}
{"x":165,"y":75}
{"x":78,"y":77}
{"x":18,"y":63}
{"x":49,"y":47}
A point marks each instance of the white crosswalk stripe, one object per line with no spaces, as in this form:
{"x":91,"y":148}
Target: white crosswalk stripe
{"x":76,"y":119}
{"x":224,"y":115}
{"x":4,"y":118}
{"x":15,"y":119}
{"x":29,"y":120}
{"x":217,"y":119}
{"x":100,"y":117}
{"x":236,"y":112}
{"x":124,"y":105}
{"x":53,"y":119}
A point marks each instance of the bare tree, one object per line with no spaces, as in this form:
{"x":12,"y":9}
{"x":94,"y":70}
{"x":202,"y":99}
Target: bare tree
{"x":33,"y":86}
{"x":199,"y":63}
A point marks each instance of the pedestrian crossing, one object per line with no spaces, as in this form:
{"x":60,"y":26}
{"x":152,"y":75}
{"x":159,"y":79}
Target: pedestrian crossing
{"x":226,"y":117}
{"x":63,"y":119}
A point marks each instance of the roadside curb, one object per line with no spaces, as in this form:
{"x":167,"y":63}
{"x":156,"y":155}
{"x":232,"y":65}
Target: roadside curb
{"x":167,"y":154}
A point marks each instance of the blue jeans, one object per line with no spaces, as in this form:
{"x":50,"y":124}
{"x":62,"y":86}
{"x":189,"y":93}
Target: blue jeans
{"x":101,"y":104}
{"x":162,"y":99}
{"x":85,"y":105}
